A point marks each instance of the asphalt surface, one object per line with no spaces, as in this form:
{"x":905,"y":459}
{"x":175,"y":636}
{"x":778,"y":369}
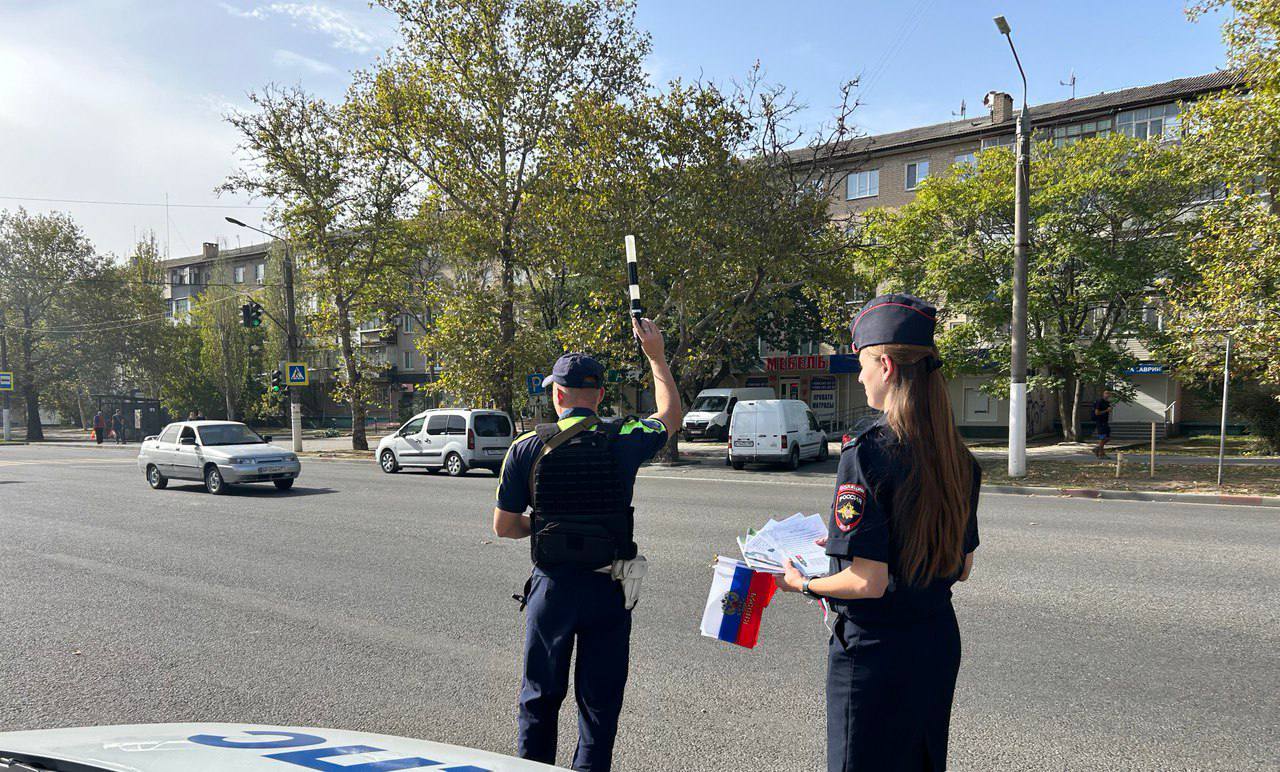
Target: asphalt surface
{"x":1097,"y":635}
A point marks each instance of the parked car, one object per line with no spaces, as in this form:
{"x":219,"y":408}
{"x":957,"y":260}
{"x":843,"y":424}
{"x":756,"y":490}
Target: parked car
{"x":237,"y":748}
{"x":218,"y":453}
{"x":775,"y":431}
{"x":454,"y":440}
{"x":712,"y":409}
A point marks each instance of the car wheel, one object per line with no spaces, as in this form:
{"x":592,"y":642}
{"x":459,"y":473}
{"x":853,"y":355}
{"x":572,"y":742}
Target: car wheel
{"x":737,"y":463}
{"x":213,"y":481}
{"x":283,"y":485}
{"x":793,"y":461}
{"x":454,"y":466}
{"x":388,"y":462}
{"x":156,"y":480}
{"x":822,"y":451}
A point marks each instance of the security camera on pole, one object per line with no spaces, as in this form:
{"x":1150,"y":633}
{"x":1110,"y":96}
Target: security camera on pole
{"x":1018,"y":342}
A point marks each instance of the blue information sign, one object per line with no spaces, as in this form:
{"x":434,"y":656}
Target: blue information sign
{"x":534,"y":382}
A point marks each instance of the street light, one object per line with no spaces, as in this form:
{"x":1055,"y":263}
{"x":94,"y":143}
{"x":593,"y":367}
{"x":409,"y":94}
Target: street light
{"x":291,"y":331}
{"x":1018,"y":342}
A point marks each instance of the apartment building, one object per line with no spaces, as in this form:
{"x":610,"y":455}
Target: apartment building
{"x":886,"y":170}
{"x":389,"y":344}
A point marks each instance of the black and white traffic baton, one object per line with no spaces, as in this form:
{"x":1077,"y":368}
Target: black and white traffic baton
{"x":633,"y":277}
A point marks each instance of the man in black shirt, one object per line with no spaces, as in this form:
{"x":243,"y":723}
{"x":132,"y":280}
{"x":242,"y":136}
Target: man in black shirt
{"x":1102,"y":422}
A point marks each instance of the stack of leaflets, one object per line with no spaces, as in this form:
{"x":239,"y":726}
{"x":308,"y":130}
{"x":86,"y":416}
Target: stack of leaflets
{"x":794,"y":539}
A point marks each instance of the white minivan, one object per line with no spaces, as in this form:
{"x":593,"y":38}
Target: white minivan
{"x":452,"y":439}
{"x":775,"y":431}
{"x":709,"y":415}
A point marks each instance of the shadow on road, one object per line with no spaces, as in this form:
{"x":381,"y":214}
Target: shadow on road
{"x":254,"y":491}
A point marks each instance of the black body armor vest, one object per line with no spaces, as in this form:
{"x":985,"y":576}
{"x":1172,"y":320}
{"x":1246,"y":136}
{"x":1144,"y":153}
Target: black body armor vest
{"x":580,"y":513}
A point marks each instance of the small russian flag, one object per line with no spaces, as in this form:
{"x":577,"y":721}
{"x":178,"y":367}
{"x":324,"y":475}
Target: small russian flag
{"x":736,"y":602}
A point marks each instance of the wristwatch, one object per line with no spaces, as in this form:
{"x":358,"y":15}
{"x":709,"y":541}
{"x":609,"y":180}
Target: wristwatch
{"x":804,"y":590}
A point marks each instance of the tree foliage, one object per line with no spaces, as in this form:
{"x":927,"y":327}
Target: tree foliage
{"x":1109,"y":217}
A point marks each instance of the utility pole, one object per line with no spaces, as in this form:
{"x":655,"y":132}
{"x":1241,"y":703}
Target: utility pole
{"x":4,"y":365}
{"x":291,"y":323}
{"x":291,"y":331}
{"x":1018,"y":342}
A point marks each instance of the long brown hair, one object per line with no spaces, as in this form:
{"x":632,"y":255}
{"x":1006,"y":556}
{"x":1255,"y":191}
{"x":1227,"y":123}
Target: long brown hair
{"x":931,"y":507}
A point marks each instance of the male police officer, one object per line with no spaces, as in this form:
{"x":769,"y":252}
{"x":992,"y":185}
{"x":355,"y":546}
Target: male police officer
{"x":578,"y":475}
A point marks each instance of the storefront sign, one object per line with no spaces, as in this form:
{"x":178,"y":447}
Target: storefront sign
{"x":784,"y":364}
{"x":822,"y":398}
{"x":844,"y":363}
{"x":1145,"y":368}
{"x":757,"y":381}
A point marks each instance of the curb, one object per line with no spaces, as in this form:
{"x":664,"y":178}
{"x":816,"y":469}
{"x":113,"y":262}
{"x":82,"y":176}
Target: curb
{"x":1181,"y":498}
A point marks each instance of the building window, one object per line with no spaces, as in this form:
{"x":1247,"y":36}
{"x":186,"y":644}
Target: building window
{"x":967,"y":159}
{"x":1073,"y":133}
{"x":863,"y":185}
{"x":408,"y":360}
{"x":917,"y":172}
{"x":1151,"y":122}
{"x":407,"y":325}
{"x":177,"y":278}
{"x":1005,"y":141}
{"x":182,"y":308}
{"x":260,"y":273}
{"x":239,"y":274}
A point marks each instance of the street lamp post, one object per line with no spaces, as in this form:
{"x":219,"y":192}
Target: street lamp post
{"x":291,"y":331}
{"x":1018,"y":342}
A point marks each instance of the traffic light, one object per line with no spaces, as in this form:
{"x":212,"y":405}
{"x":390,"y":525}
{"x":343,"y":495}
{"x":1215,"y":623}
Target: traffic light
{"x":277,"y":382}
{"x":251,"y":314}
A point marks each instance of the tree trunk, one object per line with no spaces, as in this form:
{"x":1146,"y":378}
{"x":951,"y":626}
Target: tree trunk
{"x":1075,"y":411}
{"x":231,"y":408}
{"x":1064,"y":413}
{"x":504,"y":389}
{"x":30,"y":391}
{"x":355,"y":402}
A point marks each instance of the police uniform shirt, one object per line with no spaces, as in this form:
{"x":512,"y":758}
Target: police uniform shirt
{"x":638,"y":441}
{"x":872,"y":465}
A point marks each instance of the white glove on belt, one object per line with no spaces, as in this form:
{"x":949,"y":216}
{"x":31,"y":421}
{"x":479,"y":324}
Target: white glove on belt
{"x":630,"y":573}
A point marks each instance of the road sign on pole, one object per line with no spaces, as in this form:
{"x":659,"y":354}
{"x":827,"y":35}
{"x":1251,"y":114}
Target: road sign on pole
{"x":296,"y":373}
{"x":6,"y":381}
{"x":534,"y":382}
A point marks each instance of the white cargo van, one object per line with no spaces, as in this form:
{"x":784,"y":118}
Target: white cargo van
{"x":775,"y":431}
{"x":709,"y":415}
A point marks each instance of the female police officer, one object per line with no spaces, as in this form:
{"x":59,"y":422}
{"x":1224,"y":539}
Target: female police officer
{"x":903,"y":529}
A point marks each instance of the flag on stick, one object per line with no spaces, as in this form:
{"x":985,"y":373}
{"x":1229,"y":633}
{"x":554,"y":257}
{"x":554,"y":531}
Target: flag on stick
{"x":736,"y":602}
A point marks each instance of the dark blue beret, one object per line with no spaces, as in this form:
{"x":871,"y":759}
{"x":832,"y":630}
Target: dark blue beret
{"x":902,"y":319}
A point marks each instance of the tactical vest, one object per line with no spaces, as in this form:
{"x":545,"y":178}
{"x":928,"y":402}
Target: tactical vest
{"x":581,"y":516}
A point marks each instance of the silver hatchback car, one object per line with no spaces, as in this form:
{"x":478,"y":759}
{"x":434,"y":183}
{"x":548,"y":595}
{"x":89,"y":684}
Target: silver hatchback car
{"x":218,"y":453}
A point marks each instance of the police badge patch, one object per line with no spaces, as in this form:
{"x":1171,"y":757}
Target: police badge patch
{"x":851,"y":498}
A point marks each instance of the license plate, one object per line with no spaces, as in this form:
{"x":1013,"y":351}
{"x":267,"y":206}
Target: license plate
{"x":744,"y":443}
{"x":271,"y":469}
{"x":495,"y":451}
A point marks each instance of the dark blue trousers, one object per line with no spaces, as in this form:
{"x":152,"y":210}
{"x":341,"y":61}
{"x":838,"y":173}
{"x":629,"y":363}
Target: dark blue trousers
{"x":889,"y":692}
{"x":568,"y":606}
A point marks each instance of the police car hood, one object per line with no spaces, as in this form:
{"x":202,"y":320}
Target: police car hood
{"x":236,"y":747}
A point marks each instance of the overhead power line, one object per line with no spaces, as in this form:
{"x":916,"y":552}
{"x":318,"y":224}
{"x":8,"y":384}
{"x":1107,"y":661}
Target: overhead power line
{"x":160,"y":205}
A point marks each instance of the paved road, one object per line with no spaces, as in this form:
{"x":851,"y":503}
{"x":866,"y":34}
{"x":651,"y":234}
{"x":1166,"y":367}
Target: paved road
{"x":1098,"y":635}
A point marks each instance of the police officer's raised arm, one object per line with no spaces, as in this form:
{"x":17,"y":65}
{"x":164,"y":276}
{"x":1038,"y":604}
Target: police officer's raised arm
{"x":665,"y":393}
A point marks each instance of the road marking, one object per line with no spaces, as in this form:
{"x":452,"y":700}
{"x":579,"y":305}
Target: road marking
{"x":66,"y":461}
{"x":733,"y":480}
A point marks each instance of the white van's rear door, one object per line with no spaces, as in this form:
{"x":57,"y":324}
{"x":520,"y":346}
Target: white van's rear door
{"x":492,"y":434}
{"x":742,"y":430}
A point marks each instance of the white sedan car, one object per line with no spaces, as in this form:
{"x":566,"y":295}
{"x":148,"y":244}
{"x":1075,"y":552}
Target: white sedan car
{"x":238,"y":748}
{"x":217,"y":453}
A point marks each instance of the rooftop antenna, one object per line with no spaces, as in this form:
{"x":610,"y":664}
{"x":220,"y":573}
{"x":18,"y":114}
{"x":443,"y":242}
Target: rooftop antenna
{"x":962,"y":110}
{"x":1071,"y":82}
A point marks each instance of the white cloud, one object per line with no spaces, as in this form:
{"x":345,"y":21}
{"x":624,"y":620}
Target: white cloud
{"x":286,"y":58}
{"x":317,"y":17}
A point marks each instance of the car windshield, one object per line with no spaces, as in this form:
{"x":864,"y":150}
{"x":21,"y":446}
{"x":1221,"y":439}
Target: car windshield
{"x":492,"y":425}
{"x":229,"y":434}
{"x":709,"y":404}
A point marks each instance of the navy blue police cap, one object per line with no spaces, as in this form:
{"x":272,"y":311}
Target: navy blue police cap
{"x":576,"y":370}
{"x":904,"y":319}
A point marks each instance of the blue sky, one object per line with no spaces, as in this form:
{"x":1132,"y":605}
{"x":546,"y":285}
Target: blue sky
{"x":121,"y":100}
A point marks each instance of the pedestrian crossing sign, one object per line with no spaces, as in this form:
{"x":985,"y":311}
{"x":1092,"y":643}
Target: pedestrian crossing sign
{"x":6,"y":381}
{"x":296,"y":373}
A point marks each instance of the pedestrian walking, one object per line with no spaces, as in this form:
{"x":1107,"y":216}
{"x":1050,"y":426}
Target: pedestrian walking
{"x":578,"y":475}
{"x":99,"y":426}
{"x":117,"y":426}
{"x":1102,"y":422}
{"x":903,"y":530}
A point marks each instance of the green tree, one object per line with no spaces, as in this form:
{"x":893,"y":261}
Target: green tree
{"x":49,"y":274}
{"x":227,"y":348}
{"x":471,"y":100}
{"x":1110,"y":217}
{"x":341,"y":207}
{"x":1233,"y":138}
